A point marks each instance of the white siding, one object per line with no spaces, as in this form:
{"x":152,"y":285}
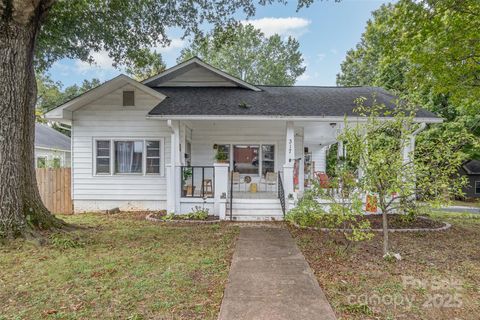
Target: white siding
{"x":207,"y":133}
{"x":198,"y":77}
{"x":50,"y":154}
{"x":107,"y":118}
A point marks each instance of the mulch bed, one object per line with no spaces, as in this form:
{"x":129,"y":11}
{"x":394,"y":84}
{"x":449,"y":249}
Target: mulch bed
{"x":396,"y":222}
{"x":158,"y":217}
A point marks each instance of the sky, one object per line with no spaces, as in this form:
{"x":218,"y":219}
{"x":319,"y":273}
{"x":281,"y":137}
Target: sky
{"x":325,"y":31}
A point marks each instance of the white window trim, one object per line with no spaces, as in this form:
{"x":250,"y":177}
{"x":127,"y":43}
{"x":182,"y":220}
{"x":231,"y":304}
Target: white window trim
{"x":144,"y":157}
{"x":44,"y":159}
{"x":260,"y":154}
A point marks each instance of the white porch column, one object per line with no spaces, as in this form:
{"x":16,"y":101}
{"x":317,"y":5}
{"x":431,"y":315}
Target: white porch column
{"x":289,"y":159}
{"x":183,"y":143}
{"x":408,"y":154}
{"x":173,"y":170}
{"x":319,"y":156}
{"x":221,"y":189}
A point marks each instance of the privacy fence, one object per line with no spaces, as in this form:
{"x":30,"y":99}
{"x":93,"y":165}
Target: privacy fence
{"x":54,"y":185}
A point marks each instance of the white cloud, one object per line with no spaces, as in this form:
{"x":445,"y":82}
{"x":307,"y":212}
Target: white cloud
{"x":290,"y":26}
{"x":175,"y":43}
{"x":321,"y":56}
{"x":101,"y":62}
{"x":304,"y":77}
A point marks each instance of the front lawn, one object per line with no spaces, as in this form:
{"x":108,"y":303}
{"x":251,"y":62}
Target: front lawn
{"x":118,"y":267}
{"x":438,"y":277}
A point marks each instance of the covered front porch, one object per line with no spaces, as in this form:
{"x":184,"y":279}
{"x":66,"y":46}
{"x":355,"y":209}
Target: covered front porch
{"x":216,"y":163}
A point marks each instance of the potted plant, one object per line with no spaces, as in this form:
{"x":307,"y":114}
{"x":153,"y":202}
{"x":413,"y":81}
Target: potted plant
{"x":186,"y":175}
{"x":221,"y":157}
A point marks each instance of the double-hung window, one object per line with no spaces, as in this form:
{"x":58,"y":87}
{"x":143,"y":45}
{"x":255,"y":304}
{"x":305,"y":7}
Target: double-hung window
{"x":121,"y":157}
{"x":477,"y":187}
{"x":153,"y":157}
{"x":103,"y":157}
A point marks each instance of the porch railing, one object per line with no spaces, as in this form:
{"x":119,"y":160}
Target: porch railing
{"x":281,"y":193}
{"x":197,"y":181}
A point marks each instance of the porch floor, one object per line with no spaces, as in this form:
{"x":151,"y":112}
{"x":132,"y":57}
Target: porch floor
{"x":254,"y":195}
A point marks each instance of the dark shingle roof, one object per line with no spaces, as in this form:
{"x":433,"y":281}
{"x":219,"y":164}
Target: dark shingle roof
{"x":47,"y":137}
{"x":271,"y":101}
{"x":472,"y":167}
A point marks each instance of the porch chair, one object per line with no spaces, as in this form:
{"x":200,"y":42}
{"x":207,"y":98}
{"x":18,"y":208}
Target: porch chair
{"x":269,"y":180}
{"x":237,"y":181}
{"x":207,"y":187}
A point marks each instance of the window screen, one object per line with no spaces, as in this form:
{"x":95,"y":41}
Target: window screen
{"x":128,"y":98}
{"x":153,"y":156}
{"x":103,"y":156}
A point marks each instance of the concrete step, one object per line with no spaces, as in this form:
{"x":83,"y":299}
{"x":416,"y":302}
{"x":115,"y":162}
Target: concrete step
{"x":255,"y":210}
{"x":256,"y":206}
{"x":239,"y":217}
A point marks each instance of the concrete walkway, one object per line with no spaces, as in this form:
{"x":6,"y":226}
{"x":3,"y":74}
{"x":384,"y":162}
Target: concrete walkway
{"x":270,"y":279}
{"x":461,"y":209}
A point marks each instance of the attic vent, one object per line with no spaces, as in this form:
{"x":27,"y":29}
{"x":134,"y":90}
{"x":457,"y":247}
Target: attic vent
{"x":128,"y":98}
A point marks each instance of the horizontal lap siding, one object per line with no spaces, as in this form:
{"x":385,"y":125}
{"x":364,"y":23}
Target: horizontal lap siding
{"x":206,"y":134}
{"x":107,"y":118}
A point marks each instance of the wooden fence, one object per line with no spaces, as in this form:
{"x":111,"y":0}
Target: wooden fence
{"x":55,"y":189}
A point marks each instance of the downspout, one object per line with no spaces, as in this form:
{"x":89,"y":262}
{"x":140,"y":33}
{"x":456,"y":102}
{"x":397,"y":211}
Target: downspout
{"x":422,"y":127}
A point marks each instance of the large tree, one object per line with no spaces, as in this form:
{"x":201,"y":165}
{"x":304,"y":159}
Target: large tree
{"x":36,"y":33}
{"x":150,"y":65}
{"x":427,"y":51}
{"x":245,"y":52}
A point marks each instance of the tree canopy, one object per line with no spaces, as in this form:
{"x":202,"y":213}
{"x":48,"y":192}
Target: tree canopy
{"x":426,"y":51}
{"x":245,"y":52}
{"x":124,"y":29}
{"x":35,"y":34}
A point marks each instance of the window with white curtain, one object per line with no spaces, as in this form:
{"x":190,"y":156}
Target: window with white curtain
{"x":128,"y":156}
{"x":119,"y":157}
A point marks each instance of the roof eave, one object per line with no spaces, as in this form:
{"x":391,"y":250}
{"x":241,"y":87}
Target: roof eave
{"x":281,"y":117}
{"x":65,"y":110}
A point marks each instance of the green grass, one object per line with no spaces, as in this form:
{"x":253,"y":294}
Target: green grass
{"x":360,"y":285}
{"x":115,"y":267}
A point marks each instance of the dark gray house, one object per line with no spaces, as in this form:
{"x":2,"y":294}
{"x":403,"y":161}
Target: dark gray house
{"x":471,"y":169}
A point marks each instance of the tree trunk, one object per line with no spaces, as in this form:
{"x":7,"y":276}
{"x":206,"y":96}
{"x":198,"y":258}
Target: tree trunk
{"x":21,"y":209}
{"x":384,"y":224}
{"x":385,"y":233}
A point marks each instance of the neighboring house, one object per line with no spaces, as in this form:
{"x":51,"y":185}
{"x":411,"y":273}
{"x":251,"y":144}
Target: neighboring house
{"x":52,"y":148}
{"x":152,"y":145}
{"x":471,"y":170}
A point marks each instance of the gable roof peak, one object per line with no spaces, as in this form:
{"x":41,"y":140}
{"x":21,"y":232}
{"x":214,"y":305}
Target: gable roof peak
{"x":188,"y":65}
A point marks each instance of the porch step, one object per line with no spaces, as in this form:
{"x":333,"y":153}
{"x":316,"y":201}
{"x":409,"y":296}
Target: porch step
{"x":255,"y":210}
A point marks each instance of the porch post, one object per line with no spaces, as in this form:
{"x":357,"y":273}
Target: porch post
{"x":408,"y":154}
{"x":220,"y":189}
{"x":289,"y":159}
{"x":319,"y":158}
{"x":173,"y":170}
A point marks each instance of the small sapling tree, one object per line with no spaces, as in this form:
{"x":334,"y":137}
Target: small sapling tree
{"x":402,"y":179}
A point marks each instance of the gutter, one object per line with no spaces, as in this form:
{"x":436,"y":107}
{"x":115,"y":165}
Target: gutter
{"x":279,"y":117}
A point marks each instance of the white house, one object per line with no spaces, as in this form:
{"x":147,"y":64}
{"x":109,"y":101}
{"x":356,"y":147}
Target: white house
{"x":52,"y":148}
{"x":152,"y":145}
